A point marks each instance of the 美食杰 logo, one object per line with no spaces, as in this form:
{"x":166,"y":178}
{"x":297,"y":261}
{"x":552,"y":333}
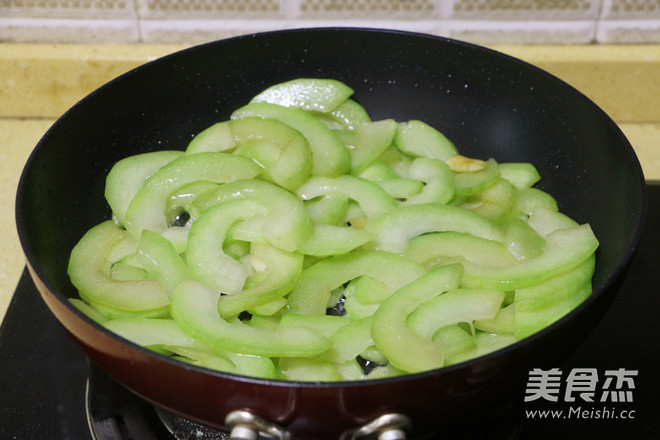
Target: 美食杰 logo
{"x":591,"y":393}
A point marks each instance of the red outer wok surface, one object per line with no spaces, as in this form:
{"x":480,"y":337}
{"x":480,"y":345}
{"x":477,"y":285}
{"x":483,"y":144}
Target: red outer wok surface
{"x":489,"y":104}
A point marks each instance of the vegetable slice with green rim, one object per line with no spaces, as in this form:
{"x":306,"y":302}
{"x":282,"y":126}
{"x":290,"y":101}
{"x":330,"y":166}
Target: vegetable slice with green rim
{"x":452,"y":307}
{"x":556,"y":289}
{"x":128,"y":175}
{"x":194,"y":308}
{"x":309,"y":370}
{"x":147,"y":209}
{"x":396,"y":227}
{"x":161,"y":260}
{"x":287,"y":224}
{"x":419,"y":139}
{"x":281,"y":151}
{"x":455,"y":341}
{"x":367,"y":142}
{"x":419,"y":251}
{"x":350,"y":340}
{"x":89,"y":272}
{"x":322,"y":95}
{"x":328,"y":240}
{"x":205,"y":257}
{"x":442,"y":247}
{"x":329,"y":156}
{"x":371,"y":197}
{"x":399,"y":343}
{"x":311,"y":293}
{"x":468,"y":183}
{"x":268,"y":283}
{"x":531,"y":321}
{"x":348,"y":116}
{"x":546,"y":220}
{"x":565,"y":249}
{"x":520,"y":174}
{"x":437,"y":179}
{"x":502,"y":323}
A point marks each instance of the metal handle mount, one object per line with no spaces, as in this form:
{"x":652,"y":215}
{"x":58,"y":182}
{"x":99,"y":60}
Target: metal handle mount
{"x":391,"y":426}
{"x":244,"y":425}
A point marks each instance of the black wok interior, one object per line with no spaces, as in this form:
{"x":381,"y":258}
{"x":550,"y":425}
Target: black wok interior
{"x":488,"y":104}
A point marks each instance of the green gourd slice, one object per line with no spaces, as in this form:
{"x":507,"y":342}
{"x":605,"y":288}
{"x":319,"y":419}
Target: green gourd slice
{"x":329,"y":155}
{"x":419,"y":139}
{"x":321,"y":95}
{"x":148,"y":208}
{"x":194,"y":308}
{"x":89,"y":270}
{"x":127,"y":176}
{"x":404,"y":348}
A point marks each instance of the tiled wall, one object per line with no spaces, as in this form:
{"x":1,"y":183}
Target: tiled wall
{"x":195,"y":21}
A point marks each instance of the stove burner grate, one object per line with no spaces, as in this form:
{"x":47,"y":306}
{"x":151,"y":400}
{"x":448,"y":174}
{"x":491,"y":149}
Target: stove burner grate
{"x":184,"y":429}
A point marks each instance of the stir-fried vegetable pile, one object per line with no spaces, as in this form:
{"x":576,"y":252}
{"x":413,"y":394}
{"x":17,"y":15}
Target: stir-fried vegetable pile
{"x":301,"y":240}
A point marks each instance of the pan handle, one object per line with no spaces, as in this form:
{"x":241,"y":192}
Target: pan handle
{"x":245,"y":425}
{"x":391,"y":426}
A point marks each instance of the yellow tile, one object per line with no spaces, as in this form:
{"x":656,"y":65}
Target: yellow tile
{"x":645,"y":139}
{"x":17,"y":139}
{"x":39,"y":80}
{"x":623,"y":80}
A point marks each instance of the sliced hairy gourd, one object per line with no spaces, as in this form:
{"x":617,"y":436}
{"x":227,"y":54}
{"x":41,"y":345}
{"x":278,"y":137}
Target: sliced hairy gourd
{"x":322,"y":95}
{"x":373,"y":200}
{"x":394,"y":228}
{"x":312,"y":291}
{"x":565,"y":249}
{"x":276,"y":272}
{"x":287,"y":224}
{"x":194,"y":308}
{"x":404,"y":348}
{"x":442,"y":247}
{"x":281,"y":151}
{"x":452,"y":307}
{"x":419,"y":139}
{"x":348,"y":116}
{"x":520,"y":174}
{"x":205,"y":256}
{"x":329,"y":156}
{"x":301,"y":240}
{"x":127,"y":176}
{"x":89,"y":270}
{"x":148,"y":207}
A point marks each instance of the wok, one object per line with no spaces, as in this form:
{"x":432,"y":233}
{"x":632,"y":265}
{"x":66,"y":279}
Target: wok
{"x":489,"y":104}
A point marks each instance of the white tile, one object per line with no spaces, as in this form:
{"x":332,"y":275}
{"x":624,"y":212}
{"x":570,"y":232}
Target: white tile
{"x":522,"y":32}
{"x":628,"y":32}
{"x":55,"y":30}
{"x":631,"y":9}
{"x":420,"y":26}
{"x":522,"y":9}
{"x":200,"y":31}
{"x":366,"y":9}
{"x":105,"y":9}
{"x":208,"y":9}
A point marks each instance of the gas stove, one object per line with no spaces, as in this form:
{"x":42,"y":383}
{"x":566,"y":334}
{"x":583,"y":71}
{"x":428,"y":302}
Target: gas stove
{"x":49,"y":389}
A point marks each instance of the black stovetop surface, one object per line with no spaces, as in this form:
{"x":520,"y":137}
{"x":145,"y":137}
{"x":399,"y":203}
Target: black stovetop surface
{"x":43,"y":375}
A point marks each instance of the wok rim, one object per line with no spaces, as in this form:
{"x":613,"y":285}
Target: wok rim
{"x":36,"y":270}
